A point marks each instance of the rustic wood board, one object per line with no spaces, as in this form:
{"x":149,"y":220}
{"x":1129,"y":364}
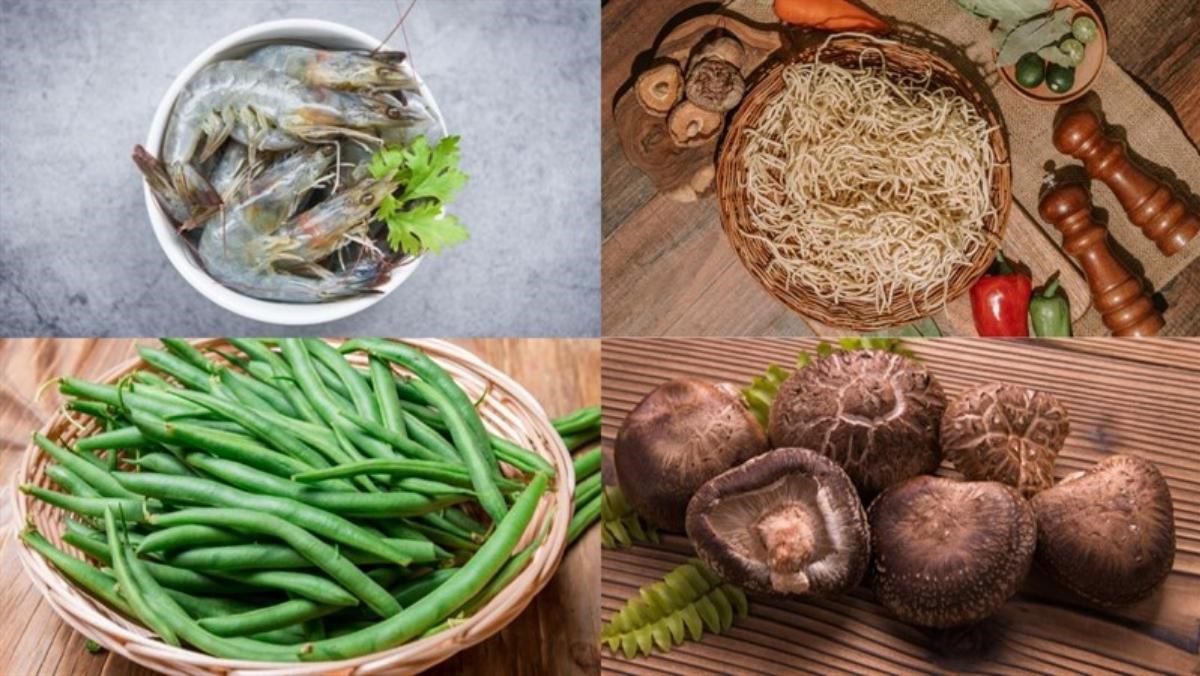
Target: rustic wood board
{"x":1139,"y":397}
{"x":665,"y":273}
{"x":555,"y":635}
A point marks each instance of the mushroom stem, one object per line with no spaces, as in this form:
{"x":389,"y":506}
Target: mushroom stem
{"x":787,"y":534}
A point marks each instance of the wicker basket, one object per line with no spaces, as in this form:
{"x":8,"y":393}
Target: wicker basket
{"x":508,"y":410}
{"x":902,"y":60}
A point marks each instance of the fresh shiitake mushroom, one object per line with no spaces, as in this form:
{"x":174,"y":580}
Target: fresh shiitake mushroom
{"x":948,"y":552}
{"x":1005,"y":433}
{"x":1107,"y":534}
{"x":786,"y":522}
{"x":660,"y":88}
{"x":682,"y":434}
{"x":691,"y":125}
{"x":714,"y":84}
{"x":875,"y":413}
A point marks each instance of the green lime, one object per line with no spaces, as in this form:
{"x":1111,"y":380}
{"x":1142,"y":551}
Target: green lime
{"x":1060,"y":79}
{"x":1073,"y":49}
{"x":1030,"y":70}
{"x":1084,"y":29}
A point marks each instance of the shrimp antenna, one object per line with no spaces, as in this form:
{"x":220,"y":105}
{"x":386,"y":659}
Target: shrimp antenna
{"x":399,"y":25}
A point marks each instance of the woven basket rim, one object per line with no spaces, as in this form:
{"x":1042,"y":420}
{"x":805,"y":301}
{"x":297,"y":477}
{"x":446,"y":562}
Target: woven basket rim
{"x":732,"y":201}
{"x":92,"y":618}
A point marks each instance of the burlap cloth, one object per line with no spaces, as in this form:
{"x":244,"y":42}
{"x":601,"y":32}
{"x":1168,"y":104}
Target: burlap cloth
{"x":1150,"y":132}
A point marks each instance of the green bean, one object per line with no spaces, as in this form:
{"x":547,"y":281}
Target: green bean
{"x":181,"y":579}
{"x":392,"y":439}
{"x":70,"y":482}
{"x":431,"y":488}
{"x":440,"y":537}
{"x":303,"y":585}
{"x":258,"y":556}
{"x":256,"y":350}
{"x":430,"y":438}
{"x":463,"y":520}
{"x":95,"y":477}
{"x":441,"y":523}
{"x":512,"y":568}
{"x":334,"y":384}
{"x":471,"y":447}
{"x":424,"y":469}
{"x":122,"y":437}
{"x":181,"y":537}
{"x":344,"y":503}
{"x":225,"y":444}
{"x":355,"y":383}
{"x":587,"y":463}
{"x":207,"y":606}
{"x":585,"y":515}
{"x":316,"y":551}
{"x":139,"y":395}
{"x":188,"y":353}
{"x":183,"y":625}
{"x":412,"y":591}
{"x":307,"y":380}
{"x":586,"y":419}
{"x":95,"y":409}
{"x":268,"y":618}
{"x":588,"y":488}
{"x":82,"y":573}
{"x":579,"y":439}
{"x":177,"y":368}
{"x":441,"y":602}
{"x":130,"y":509}
{"x":437,"y":379}
{"x":305,"y":516}
{"x":162,"y":463}
{"x":386,"y":398}
{"x":240,"y":382}
{"x":125,"y":584}
{"x":521,"y":458}
{"x":267,"y":431}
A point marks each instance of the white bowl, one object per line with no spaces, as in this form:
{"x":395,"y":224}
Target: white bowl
{"x":306,"y":31}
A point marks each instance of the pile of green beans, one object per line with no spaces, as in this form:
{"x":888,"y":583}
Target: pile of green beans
{"x":274,"y":501}
{"x":581,"y":429}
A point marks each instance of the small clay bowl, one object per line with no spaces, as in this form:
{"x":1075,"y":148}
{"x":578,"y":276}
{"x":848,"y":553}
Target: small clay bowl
{"x":1085,"y":73}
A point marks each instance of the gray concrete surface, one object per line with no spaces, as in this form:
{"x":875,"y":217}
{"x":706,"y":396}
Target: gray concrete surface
{"x":79,"y":82}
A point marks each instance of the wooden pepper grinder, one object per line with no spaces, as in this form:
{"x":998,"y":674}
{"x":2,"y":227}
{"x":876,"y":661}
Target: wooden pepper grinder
{"x":1117,"y":293}
{"x":1149,"y":202}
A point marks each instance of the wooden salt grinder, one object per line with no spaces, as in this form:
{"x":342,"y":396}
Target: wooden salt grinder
{"x":1124,"y":307}
{"x":1149,"y":202}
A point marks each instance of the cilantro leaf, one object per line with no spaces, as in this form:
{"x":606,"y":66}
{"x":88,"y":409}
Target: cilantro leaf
{"x":429,"y":178}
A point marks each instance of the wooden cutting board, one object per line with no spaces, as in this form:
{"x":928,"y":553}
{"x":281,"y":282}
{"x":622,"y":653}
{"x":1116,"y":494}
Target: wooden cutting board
{"x":1140,"y":397}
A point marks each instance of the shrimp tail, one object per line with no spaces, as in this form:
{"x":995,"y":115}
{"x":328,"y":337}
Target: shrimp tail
{"x":160,"y":185}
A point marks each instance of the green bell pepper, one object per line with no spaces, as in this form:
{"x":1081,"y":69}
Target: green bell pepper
{"x":1050,"y":312}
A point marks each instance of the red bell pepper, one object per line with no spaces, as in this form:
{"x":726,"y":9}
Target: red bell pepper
{"x":1000,"y":301}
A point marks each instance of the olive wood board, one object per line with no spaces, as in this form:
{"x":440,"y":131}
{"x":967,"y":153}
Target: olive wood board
{"x":668,"y":270}
{"x":554,"y":635}
{"x":684,"y":173}
{"x":1140,"y":397}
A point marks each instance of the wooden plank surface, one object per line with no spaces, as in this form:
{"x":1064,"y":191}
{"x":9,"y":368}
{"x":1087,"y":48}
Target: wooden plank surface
{"x":1140,"y":397}
{"x":555,"y":635}
{"x":667,"y":268}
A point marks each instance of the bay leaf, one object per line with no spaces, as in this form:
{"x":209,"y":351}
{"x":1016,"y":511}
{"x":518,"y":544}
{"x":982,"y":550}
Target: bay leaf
{"x":1033,"y":34}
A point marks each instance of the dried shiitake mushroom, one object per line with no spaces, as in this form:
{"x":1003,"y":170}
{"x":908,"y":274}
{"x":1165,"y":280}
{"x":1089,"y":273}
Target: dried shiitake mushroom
{"x":660,"y":88}
{"x":1107,"y":534}
{"x":714,"y":84}
{"x":949,"y":552}
{"x":1005,"y":433}
{"x":691,"y":125}
{"x":785,"y":522}
{"x":875,"y":413}
{"x":725,"y":48}
{"x":681,"y":435}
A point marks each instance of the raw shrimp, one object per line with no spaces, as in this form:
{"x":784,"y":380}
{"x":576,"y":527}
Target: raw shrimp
{"x":320,"y":231}
{"x":231,"y":169}
{"x":361,"y":277}
{"x":226,"y":246}
{"x":195,"y":202}
{"x":338,"y":70}
{"x":229,"y":94}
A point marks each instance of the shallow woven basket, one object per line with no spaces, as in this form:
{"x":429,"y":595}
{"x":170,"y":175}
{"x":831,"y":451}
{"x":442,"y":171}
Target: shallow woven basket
{"x":902,"y":61}
{"x":508,"y":411}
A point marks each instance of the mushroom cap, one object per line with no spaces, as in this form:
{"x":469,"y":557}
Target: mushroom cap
{"x":691,"y":125}
{"x":806,"y":501}
{"x":660,"y":88}
{"x":1108,"y":534}
{"x":1005,"y":433}
{"x":873,"y":412}
{"x":679,"y":436}
{"x":949,"y":552}
{"x":714,"y":84}
{"x":725,"y":48}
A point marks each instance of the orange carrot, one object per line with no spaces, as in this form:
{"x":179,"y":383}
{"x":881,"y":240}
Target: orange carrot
{"x":829,"y":15}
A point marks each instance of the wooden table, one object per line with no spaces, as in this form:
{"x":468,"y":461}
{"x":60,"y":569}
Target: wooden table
{"x":1141,"y":398}
{"x":555,"y":635}
{"x":667,"y":268}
